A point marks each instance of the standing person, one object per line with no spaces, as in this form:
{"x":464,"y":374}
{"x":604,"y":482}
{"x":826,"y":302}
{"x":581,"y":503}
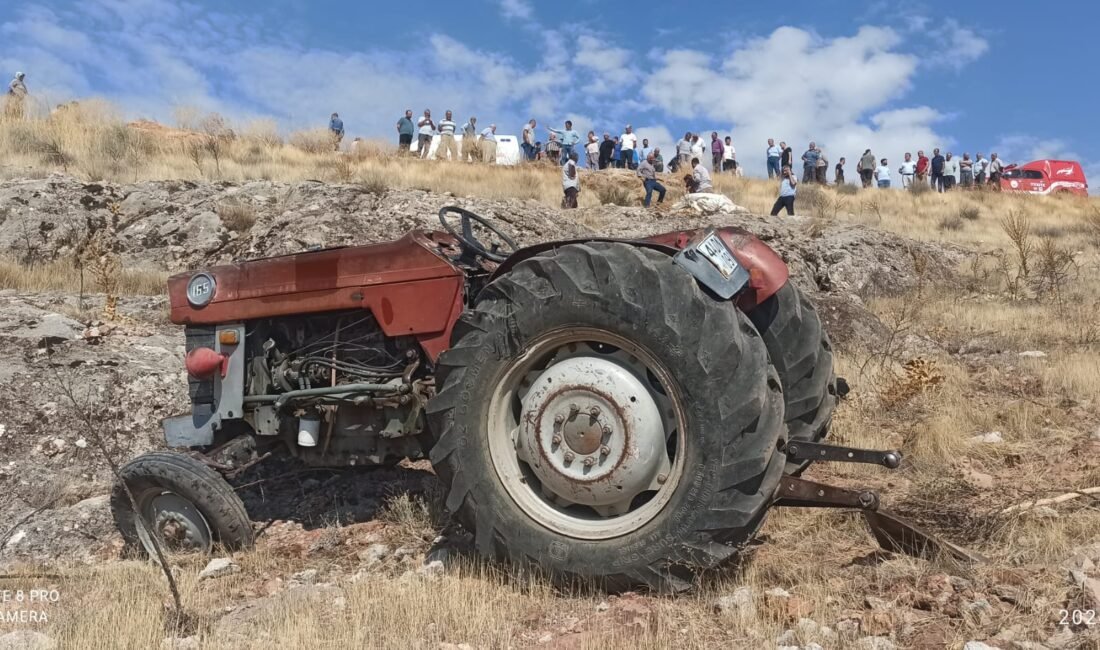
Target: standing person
{"x":447,"y":146}
{"x":17,"y":95}
{"x":648,"y":173}
{"x":866,"y":168}
{"x":966,"y":170}
{"x":996,"y":168}
{"x":882,"y":175}
{"x":570,"y":182}
{"x":405,"y":130}
{"x":645,"y":150}
{"x":839,"y":172}
{"x":980,"y":167}
{"x":470,"y":151}
{"x":336,"y":129}
{"x":809,"y":163}
{"x":683,"y":149}
{"x":773,"y":154}
{"x":658,"y":160}
{"x":729,"y":157}
{"x":607,"y":150}
{"x":822,"y":167}
{"x":922,"y":167}
{"x":937,"y":170}
{"x":568,"y":139}
{"x":907,"y":170}
{"x":553,"y":148}
{"x":426,"y":131}
{"x":787,"y":186}
{"x":628,"y":141}
{"x":700,"y":177}
{"x":616,"y":154}
{"x":488,"y":145}
{"x":950,"y":172}
{"x":717,"y":152}
{"x":528,"y":143}
{"x":697,"y":147}
{"x":592,"y":151}
{"x":786,"y":156}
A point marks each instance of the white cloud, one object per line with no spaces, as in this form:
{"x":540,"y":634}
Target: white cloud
{"x":796,"y":86}
{"x":955,"y":46}
{"x":610,"y":65}
{"x":516,"y":9}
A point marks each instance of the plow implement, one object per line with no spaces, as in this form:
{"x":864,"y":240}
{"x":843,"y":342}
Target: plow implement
{"x":892,"y":532}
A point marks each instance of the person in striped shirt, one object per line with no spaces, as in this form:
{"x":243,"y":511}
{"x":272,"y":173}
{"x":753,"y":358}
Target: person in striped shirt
{"x":447,"y":146}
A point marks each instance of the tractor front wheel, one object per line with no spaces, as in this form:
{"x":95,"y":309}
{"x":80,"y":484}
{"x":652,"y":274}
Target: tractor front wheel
{"x":602,"y":416}
{"x":187,"y":505}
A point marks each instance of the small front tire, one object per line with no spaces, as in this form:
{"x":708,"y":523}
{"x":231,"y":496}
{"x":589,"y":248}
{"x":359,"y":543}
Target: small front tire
{"x":189,"y":506}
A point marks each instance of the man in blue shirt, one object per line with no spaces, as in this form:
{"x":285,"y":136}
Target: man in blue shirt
{"x":568,"y":138}
{"x":336,"y":128}
{"x":405,"y":130}
{"x":773,"y":158}
{"x":938,"y":163}
{"x":809,"y":163}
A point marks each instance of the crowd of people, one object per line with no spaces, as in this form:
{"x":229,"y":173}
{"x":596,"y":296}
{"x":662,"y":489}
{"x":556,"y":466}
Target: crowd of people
{"x":567,"y":147}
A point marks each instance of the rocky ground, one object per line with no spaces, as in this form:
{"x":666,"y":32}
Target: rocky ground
{"x":67,"y":379}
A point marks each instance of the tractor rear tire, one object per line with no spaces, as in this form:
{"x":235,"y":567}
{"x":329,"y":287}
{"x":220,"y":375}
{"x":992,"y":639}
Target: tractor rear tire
{"x":703,"y":361}
{"x":800,"y":349}
{"x":177,"y":491}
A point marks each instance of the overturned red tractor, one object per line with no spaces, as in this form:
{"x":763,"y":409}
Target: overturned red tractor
{"x":620,"y":411}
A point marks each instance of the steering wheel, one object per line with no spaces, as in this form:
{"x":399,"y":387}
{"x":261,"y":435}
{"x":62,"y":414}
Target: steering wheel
{"x":469,"y":242}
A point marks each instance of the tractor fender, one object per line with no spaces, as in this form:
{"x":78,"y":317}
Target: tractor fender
{"x":767,"y":270}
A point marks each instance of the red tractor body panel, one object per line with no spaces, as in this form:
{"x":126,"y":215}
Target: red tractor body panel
{"x":407,"y":284}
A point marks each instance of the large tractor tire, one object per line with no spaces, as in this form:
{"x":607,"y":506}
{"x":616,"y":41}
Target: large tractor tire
{"x":601,"y":416}
{"x":189,"y":506}
{"x":800,"y":350}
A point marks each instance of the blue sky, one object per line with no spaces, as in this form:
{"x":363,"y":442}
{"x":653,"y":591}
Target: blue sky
{"x":967,"y":76}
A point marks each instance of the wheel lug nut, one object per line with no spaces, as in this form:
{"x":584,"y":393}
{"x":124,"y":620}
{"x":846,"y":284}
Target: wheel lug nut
{"x":589,"y":462}
{"x":661,"y":478}
{"x":607,"y":431}
{"x":569,"y":457}
{"x":594,"y":411}
{"x":605,"y":450}
{"x":556,"y":439}
{"x":574,"y":409}
{"x":559,"y":418}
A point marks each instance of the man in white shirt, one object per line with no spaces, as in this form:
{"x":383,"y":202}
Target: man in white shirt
{"x":447,"y":146}
{"x":528,"y":144}
{"x":628,"y":141}
{"x":981,"y":167}
{"x":427,"y":130}
{"x":488,"y":144}
{"x":683,"y":149}
{"x":729,"y":156}
{"x":700,"y":178}
{"x":570,"y":182}
{"x":907,"y":170}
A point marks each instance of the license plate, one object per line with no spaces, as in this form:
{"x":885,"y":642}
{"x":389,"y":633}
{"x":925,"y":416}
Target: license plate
{"x":717,"y":254}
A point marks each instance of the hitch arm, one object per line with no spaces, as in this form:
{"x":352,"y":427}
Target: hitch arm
{"x":819,"y":451}
{"x":892,"y":533}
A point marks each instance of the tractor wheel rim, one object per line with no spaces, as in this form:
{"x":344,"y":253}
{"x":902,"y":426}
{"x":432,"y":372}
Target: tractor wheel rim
{"x":178,"y":524}
{"x":584,"y":433}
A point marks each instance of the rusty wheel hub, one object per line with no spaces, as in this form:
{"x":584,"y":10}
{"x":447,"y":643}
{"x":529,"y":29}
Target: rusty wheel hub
{"x":178,"y":524}
{"x":593,"y":434}
{"x":589,"y":449}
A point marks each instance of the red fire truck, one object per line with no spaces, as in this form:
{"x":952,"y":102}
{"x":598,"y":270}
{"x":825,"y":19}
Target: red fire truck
{"x":1046,"y":177}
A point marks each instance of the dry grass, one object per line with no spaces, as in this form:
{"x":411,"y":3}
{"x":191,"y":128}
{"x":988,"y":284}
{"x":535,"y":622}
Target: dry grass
{"x":64,"y":276}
